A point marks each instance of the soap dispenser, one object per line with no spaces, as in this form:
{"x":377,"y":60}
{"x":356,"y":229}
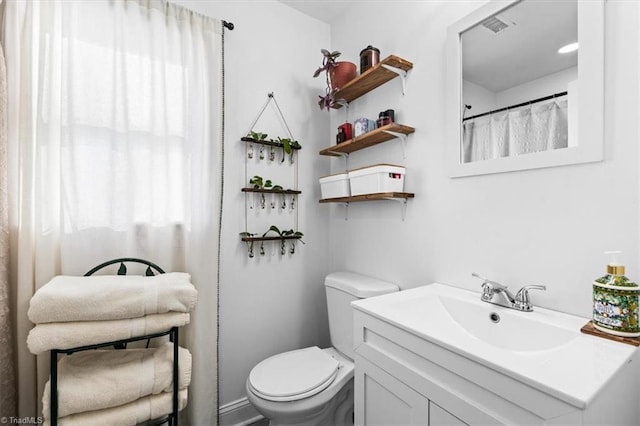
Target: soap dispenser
{"x":615,"y":302}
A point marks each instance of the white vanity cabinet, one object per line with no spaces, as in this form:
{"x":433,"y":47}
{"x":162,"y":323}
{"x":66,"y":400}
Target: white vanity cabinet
{"x":404,"y":378}
{"x":387,"y":401}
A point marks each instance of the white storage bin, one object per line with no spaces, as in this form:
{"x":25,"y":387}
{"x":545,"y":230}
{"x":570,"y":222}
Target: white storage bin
{"x":335,"y":186}
{"x":377,"y":178}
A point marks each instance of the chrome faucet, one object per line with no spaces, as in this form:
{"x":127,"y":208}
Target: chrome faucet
{"x":496,"y":293}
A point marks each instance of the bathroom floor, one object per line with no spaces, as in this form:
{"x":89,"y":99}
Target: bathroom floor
{"x":263,"y":422}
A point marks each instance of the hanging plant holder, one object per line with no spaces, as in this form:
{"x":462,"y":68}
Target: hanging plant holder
{"x":261,"y":192}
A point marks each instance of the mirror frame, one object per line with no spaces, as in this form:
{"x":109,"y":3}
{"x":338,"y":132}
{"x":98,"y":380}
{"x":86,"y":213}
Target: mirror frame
{"x":590,"y":146}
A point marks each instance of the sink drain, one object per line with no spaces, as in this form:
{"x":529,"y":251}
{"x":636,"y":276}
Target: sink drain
{"x":495,"y":318}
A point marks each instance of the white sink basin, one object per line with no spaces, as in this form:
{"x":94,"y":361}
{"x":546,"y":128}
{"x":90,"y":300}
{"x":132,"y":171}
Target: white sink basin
{"x":543,"y":348}
{"x":511,"y":330}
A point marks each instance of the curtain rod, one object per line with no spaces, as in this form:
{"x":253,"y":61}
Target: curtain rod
{"x":544,"y":98}
{"x":228,"y":25}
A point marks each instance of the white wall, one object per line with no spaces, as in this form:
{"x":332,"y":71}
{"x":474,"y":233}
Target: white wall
{"x":544,"y":86}
{"x":269,"y":305}
{"x":480,"y":99}
{"x":540,"y":226}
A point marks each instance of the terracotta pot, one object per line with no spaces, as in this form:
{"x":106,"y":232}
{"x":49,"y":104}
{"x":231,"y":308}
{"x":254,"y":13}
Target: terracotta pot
{"x":342,"y":73}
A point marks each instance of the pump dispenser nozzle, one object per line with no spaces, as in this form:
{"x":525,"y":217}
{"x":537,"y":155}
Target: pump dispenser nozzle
{"x":614,"y":267}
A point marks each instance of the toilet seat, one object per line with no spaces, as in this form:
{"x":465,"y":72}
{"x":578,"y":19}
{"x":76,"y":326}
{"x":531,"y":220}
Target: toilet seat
{"x":293,"y":375}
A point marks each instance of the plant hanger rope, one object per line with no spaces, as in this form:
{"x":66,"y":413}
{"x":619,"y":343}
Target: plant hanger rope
{"x":271,"y":98}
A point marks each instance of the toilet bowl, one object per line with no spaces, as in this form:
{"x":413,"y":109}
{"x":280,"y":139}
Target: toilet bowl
{"x":292,"y":397}
{"x":313,"y":386}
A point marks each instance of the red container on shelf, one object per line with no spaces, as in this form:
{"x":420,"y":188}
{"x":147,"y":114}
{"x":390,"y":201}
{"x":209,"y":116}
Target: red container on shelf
{"x":347,"y":130}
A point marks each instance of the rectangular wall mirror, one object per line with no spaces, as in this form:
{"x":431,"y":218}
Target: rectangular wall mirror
{"x":515,"y":99}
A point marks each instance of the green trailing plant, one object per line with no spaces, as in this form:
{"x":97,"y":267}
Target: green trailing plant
{"x":257,"y":135}
{"x":259,"y":183}
{"x":292,"y":233}
{"x":294,"y":146}
{"x":272,"y":228}
{"x":288,"y":146}
{"x":283,"y":234}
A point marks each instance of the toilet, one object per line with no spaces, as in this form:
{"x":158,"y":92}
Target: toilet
{"x":313,"y":386}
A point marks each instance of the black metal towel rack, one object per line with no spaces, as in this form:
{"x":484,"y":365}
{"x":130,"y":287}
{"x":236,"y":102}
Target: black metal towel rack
{"x":171,"y":419}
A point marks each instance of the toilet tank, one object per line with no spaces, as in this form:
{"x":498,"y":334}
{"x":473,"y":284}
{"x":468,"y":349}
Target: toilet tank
{"x":342,"y":288}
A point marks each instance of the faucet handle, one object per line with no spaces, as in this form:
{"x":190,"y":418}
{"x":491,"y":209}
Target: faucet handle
{"x":522,"y":296}
{"x":494,"y":284}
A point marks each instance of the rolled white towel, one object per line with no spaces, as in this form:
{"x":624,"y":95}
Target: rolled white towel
{"x":66,"y":335}
{"x":141,"y":410}
{"x":111,"y":297}
{"x":95,"y":380}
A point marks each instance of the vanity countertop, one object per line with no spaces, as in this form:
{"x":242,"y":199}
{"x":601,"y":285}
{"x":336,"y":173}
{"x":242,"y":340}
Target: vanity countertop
{"x":543,"y":349}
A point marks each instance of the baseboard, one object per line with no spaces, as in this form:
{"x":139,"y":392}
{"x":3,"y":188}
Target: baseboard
{"x":238,"y":413}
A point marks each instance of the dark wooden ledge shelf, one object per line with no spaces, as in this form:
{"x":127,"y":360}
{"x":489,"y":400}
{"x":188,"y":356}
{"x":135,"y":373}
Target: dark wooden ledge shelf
{"x":370,"y":197}
{"x":287,"y":237}
{"x":374,"y":137}
{"x":265,"y":142}
{"x":372,"y":78}
{"x":272,"y":191}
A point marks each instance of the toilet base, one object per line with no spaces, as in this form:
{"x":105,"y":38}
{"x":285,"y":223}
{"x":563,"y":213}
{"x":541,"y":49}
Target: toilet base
{"x":339,"y":412}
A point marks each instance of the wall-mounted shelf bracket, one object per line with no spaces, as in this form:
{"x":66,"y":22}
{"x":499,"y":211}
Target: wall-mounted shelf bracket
{"x":403,"y":205}
{"x":344,"y":155}
{"x":402,"y":73}
{"x":402,"y":137}
{"x":346,"y":210}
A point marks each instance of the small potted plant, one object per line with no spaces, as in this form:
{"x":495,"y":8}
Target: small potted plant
{"x":337,"y":74}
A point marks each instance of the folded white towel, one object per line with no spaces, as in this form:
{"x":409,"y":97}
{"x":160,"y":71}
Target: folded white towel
{"x":66,"y":335}
{"x":95,"y":380}
{"x":111,"y":297}
{"x":141,"y":410}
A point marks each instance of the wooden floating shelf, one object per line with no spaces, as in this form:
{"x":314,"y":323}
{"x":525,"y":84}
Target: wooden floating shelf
{"x":288,"y":237}
{"x":370,"y":197}
{"x":372,"y":78}
{"x":268,"y":143}
{"x":368,"y":139}
{"x":272,"y":191}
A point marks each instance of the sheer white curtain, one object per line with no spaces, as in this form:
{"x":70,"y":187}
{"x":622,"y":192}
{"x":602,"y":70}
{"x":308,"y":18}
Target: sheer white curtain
{"x":533,"y":128}
{"x":7,"y":369}
{"x":114,"y":139}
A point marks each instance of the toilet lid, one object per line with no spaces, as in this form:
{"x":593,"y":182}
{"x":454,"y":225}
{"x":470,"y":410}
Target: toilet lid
{"x":294,"y":375}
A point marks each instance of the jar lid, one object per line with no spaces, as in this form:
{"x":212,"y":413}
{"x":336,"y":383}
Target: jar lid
{"x":370,"y":47}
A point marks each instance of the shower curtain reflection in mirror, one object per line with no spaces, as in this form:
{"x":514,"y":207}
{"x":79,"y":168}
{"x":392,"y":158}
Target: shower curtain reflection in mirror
{"x":524,"y":130}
